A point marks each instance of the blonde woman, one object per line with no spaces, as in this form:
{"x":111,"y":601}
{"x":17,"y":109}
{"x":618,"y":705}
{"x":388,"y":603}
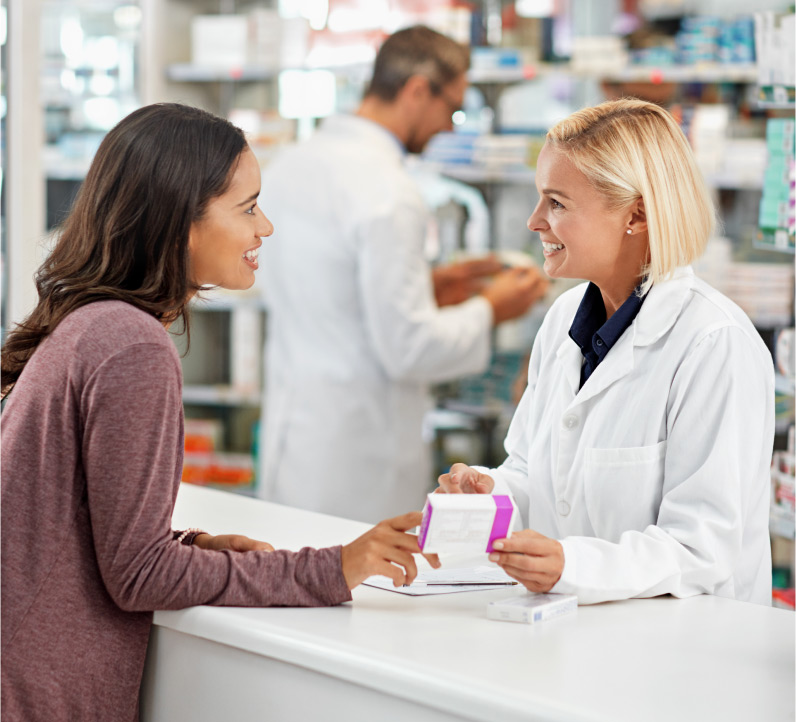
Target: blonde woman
{"x":639,"y":454}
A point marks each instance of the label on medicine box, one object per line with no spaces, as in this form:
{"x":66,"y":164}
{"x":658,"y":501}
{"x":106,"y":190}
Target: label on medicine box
{"x":465,"y":522}
{"x":532,"y":608}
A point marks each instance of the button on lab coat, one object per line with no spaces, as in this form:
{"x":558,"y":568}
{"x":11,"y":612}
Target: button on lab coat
{"x":655,"y":474}
{"x":354,"y":337}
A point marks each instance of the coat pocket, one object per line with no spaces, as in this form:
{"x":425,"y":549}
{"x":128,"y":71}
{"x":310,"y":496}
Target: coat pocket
{"x":623,"y":488}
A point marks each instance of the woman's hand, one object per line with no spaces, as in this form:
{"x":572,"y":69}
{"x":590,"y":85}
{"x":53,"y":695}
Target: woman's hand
{"x":463,"y":479}
{"x":531,"y":558}
{"x":387,"y":550}
{"x":233,"y":542}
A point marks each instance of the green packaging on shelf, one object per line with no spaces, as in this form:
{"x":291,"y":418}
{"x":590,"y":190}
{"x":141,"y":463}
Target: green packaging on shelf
{"x":777,"y":173}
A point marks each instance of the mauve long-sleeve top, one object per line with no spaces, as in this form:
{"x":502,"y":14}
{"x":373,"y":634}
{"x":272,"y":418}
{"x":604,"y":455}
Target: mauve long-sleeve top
{"x":92,"y":444}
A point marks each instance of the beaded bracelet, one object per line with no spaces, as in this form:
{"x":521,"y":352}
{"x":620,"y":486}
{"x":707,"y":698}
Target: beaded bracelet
{"x":186,"y":537}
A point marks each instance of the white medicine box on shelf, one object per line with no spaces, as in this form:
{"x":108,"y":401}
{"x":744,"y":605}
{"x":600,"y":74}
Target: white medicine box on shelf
{"x":219,"y":41}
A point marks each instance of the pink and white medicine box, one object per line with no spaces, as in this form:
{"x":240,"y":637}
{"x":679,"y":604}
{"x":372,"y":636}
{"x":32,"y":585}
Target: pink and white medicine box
{"x":465,"y":522}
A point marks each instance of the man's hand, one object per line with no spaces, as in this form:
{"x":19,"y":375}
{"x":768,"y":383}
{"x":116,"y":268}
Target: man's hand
{"x":513,"y":292}
{"x":457,"y":282}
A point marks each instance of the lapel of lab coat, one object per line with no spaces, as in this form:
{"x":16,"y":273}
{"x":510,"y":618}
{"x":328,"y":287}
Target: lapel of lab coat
{"x":657,"y":315}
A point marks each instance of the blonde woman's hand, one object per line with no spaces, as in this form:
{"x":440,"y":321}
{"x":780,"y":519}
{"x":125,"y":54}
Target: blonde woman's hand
{"x":463,"y":479}
{"x":386,"y":549}
{"x":233,"y":542}
{"x":534,"y":560}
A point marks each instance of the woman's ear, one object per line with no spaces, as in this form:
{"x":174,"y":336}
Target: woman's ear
{"x":638,"y":218}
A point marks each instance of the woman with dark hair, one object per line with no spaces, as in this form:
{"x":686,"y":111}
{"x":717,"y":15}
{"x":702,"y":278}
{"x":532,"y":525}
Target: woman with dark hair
{"x":93,"y":428}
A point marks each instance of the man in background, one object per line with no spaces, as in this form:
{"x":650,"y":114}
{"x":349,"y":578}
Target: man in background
{"x":358,"y":325}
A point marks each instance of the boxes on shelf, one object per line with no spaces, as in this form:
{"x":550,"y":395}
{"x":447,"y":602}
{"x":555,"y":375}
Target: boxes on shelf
{"x":219,"y":40}
{"x":488,"y":58}
{"x":492,"y":152}
{"x":218,"y":468}
{"x":260,"y":38}
{"x":202,"y":435}
{"x":777,"y":215}
{"x":782,"y":477}
{"x":784,"y":598}
{"x":599,"y":54}
{"x":710,"y":39}
{"x":776,"y":63}
{"x":783,"y":494}
{"x":763,"y":290}
{"x":204,"y":464}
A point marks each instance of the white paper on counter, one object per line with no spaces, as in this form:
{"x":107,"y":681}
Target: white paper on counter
{"x":448,"y":581}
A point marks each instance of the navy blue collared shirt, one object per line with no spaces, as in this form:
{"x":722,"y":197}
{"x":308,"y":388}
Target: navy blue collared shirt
{"x":594,"y":335}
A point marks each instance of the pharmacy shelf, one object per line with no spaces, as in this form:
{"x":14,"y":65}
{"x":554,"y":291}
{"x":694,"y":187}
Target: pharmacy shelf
{"x":190,"y":73}
{"x":219,"y":396}
{"x":221,"y":300}
{"x":730,"y":182}
{"x":63,"y":168}
{"x":473,"y":173}
{"x":193,"y":73}
{"x":706,"y":73}
{"x":484,"y":174}
{"x":775,"y":240}
{"x":776,"y":96}
{"x":709,"y":73}
{"x":509,"y":74}
{"x":781,"y":523}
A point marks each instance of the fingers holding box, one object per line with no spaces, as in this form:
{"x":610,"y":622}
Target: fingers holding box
{"x":534,"y":560}
{"x":463,"y":479}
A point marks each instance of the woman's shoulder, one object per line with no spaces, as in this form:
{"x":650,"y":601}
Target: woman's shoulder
{"x":715,"y":310}
{"x":117,"y":319}
{"x":110,"y":326}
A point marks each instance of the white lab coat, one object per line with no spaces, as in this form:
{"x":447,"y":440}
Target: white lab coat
{"x":655,"y":475}
{"x":354,"y":337}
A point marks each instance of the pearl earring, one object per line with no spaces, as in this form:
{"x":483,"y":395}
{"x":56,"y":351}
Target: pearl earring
{"x":629,"y":231}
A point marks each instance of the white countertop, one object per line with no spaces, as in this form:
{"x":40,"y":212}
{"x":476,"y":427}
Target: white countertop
{"x":700,"y":659}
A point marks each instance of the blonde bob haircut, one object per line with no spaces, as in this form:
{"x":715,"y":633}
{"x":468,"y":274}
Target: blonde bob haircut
{"x":630,"y":149}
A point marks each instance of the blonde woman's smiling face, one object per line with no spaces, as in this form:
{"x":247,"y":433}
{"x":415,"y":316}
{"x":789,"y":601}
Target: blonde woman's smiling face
{"x":581,"y":237}
{"x":224,"y":242}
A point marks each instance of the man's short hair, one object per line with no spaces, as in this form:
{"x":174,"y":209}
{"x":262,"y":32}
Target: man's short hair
{"x":417,"y":50}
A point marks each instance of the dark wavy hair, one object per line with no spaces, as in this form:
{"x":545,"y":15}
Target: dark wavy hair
{"x":126,"y":237}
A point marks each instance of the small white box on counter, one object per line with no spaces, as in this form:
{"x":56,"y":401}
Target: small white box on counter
{"x":531,"y":608}
{"x":465,"y":522}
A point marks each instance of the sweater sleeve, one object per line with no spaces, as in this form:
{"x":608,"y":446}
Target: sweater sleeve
{"x":131,"y":410}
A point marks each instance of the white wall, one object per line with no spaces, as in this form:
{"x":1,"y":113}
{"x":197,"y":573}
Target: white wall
{"x":25,"y":190}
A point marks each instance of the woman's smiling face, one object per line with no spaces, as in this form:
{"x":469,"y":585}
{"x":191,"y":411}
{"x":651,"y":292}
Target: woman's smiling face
{"x":581,"y":236}
{"x":224,"y":242}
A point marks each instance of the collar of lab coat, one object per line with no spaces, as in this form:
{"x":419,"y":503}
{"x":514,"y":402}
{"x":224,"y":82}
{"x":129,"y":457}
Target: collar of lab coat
{"x":368,"y":132}
{"x":658,"y":313}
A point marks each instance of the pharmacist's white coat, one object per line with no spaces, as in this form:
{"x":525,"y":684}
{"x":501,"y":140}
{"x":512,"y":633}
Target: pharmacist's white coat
{"x":354,"y":335}
{"x":655,"y":475}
